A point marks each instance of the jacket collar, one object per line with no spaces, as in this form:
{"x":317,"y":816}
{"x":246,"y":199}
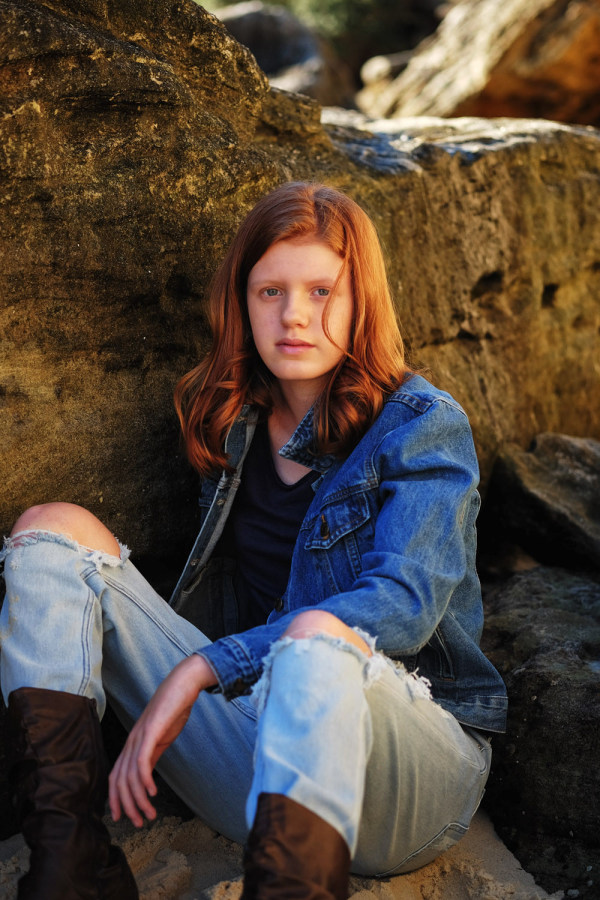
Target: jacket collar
{"x":299,"y":448}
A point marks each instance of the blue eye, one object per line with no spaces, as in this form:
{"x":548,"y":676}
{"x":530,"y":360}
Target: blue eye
{"x":323,"y":292}
{"x":271,"y":292}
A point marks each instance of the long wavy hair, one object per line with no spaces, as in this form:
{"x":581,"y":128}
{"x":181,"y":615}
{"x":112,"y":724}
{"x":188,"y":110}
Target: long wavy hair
{"x":210,"y":397}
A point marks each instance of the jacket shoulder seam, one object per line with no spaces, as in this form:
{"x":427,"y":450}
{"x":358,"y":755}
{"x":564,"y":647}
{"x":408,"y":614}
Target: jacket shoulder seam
{"x":424,"y":404}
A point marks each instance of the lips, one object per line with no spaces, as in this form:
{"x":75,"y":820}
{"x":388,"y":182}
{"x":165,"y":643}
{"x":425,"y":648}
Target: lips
{"x":293,"y":342}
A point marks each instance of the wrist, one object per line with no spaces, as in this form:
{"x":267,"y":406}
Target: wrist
{"x":200,"y":671}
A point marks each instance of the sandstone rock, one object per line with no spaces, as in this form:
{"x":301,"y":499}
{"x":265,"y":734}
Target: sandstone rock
{"x":450,"y":268}
{"x":377,"y":74}
{"x":291,"y":54}
{"x":380,"y":69}
{"x":134,"y":137}
{"x":543,"y":634}
{"x":515,"y":58}
{"x":547,"y":500}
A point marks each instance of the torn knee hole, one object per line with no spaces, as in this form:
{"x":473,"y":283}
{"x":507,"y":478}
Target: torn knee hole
{"x":318,"y":622}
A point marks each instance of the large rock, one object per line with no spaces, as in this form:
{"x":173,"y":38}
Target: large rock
{"x":291,"y":54}
{"x":543,"y":634}
{"x":547,"y":500}
{"x":515,"y":58}
{"x":134,"y":137}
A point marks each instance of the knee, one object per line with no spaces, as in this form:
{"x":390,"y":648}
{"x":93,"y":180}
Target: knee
{"x":49,"y":517}
{"x":319,"y":621}
{"x":71,"y":520}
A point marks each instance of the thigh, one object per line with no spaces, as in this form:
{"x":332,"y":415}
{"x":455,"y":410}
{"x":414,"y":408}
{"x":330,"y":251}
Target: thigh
{"x":210,"y":764}
{"x":424,"y":780}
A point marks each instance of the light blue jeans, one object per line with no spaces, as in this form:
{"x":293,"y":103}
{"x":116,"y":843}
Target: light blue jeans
{"x":356,"y":739}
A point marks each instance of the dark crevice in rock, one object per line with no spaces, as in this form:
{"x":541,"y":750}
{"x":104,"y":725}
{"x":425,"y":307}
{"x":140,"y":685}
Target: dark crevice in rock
{"x":549,"y":295}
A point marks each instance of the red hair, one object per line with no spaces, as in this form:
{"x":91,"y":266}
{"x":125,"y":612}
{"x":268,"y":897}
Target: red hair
{"x":210,"y":397}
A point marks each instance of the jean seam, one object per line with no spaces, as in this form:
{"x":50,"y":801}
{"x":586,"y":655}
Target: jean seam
{"x":167,"y":632}
{"x":86,"y":625}
{"x":458,"y":825}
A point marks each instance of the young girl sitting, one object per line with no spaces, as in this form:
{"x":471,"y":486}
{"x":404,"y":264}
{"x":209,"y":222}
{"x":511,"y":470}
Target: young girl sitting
{"x":315,"y":688}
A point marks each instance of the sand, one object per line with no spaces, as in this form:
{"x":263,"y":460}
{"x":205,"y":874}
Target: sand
{"x":185,"y":860}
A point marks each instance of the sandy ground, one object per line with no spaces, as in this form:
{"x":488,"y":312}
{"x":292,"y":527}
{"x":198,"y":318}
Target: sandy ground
{"x":187,"y":861}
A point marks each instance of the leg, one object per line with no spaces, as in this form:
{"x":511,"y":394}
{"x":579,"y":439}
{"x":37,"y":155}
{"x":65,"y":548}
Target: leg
{"x":300,"y":794}
{"x":40,"y":603}
{"x":362,"y":745}
{"x":59,"y":773}
{"x":302,"y":721}
{"x":424,"y":779}
{"x":85,"y":622}
{"x":67,"y":518}
{"x":82,"y":621}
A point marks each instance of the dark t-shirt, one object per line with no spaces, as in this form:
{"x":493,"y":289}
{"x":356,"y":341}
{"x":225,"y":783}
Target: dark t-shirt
{"x":261,"y":531}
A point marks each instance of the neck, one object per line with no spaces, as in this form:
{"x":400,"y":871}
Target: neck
{"x":292,"y":404}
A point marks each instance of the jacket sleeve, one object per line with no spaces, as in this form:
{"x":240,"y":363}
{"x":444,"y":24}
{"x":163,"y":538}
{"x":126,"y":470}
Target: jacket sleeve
{"x":427,"y":474}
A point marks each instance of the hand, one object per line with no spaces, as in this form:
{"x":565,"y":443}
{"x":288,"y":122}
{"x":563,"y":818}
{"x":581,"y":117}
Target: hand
{"x":131,"y":782}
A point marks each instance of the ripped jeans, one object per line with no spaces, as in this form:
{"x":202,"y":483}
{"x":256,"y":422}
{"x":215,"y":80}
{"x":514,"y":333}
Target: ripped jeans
{"x":356,"y":739}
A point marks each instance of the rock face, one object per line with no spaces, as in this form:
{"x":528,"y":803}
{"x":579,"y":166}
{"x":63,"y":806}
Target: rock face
{"x":133,"y":138}
{"x":292,"y":56}
{"x":543,"y":634}
{"x":547,"y":500}
{"x":515,"y":58}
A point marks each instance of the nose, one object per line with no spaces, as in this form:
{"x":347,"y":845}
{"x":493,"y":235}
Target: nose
{"x":295,"y":310}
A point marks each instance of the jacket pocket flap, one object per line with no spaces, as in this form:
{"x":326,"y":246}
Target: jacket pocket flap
{"x":337,"y":520}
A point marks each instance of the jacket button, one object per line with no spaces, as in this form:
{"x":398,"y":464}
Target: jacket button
{"x":278,"y":604}
{"x":324,"y":528}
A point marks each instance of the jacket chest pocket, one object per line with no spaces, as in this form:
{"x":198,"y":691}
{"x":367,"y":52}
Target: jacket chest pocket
{"x":337,"y":538}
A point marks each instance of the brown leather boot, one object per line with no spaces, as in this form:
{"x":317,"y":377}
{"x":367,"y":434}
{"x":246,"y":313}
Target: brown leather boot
{"x":60,"y":781}
{"x":293,"y":854}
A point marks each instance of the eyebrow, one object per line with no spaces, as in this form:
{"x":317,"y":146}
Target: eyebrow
{"x":325,"y":280}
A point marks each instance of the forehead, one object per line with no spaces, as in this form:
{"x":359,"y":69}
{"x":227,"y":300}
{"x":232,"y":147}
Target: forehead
{"x":306,"y":257}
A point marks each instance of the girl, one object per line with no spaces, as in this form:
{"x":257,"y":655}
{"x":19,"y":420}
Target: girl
{"x":322,"y":641}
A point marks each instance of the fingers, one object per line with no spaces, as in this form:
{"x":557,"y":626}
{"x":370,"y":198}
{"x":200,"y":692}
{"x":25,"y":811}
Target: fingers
{"x":131,"y":781}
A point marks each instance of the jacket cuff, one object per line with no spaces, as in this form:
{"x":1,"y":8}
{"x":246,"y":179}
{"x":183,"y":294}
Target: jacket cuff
{"x":234,"y":670}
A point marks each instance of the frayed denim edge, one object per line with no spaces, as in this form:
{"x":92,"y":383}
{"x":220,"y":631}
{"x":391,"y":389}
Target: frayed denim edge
{"x":33,"y":536}
{"x":374,"y":665}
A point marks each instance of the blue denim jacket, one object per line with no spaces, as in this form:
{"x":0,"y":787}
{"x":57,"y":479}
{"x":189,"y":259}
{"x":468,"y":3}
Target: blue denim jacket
{"x":388,"y":545}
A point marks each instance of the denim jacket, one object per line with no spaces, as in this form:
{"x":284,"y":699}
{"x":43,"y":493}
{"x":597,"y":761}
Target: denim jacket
{"x":388,"y":545}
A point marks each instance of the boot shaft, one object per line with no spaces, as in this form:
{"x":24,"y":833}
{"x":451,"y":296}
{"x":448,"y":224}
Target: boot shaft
{"x":60,"y":782}
{"x":293,"y":853}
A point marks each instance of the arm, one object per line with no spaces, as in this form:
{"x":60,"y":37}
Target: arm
{"x":424,"y":533}
{"x":425,"y":501}
{"x":131,"y":782}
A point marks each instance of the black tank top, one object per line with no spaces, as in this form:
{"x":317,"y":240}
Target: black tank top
{"x":261,"y":531}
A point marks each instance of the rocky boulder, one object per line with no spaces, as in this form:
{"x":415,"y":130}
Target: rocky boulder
{"x":547,"y":500}
{"x":134,"y":137}
{"x":292,"y":55}
{"x":543,"y":634}
{"x":515,"y":58}
{"x":377,"y":74}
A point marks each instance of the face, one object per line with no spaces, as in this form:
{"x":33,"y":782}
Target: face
{"x":288,"y":289}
